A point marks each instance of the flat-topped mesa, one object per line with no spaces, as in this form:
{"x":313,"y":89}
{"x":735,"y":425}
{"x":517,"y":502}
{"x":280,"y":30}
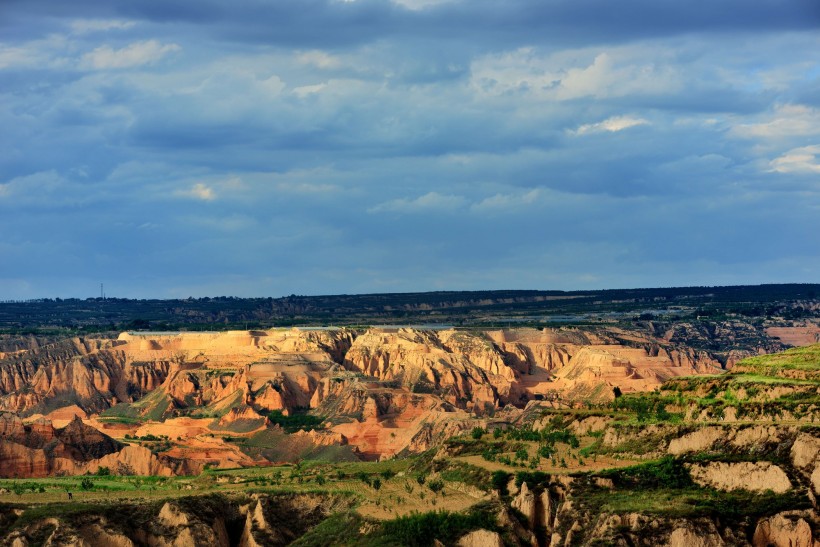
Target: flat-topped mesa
{"x":235,"y":348}
{"x":629,"y":369}
{"x":280,"y":369}
{"x":470,"y":373}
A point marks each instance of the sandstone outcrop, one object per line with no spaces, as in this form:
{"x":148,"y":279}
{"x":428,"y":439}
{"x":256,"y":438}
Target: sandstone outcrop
{"x":697,"y":441}
{"x":481,"y":538}
{"x":40,"y":450}
{"x":285,"y":369}
{"x":525,"y":502}
{"x":88,"y":372}
{"x":686,"y":537}
{"x":784,"y":530}
{"x":753,"y":476}
{"x":215,"y":521}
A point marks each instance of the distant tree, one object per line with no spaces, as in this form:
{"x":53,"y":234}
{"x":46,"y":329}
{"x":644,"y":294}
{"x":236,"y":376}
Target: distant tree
{"x":436,"y":486}
{"x":364,"y":477}
{"x":661,"y":413}
{"x":477,"y":433}
{"x":500,"y":479}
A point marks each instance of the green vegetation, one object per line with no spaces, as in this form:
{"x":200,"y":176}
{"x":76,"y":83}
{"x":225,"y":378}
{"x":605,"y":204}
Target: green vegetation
{"x":665,"y":473}
{"x":804,"y":359}
{"x":338,"y":529}
{"x":648,"y":408}
{"x":298,"y":421}
{"x":534,"y":440}
{"x":693,"y":502}
{"x":500,"y":480}
{"x":422,"y":529}
{"x":73,"y":316}
{"x":417,"y":529}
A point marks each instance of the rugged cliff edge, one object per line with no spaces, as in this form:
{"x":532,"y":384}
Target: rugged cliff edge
{"x":704,"y":459}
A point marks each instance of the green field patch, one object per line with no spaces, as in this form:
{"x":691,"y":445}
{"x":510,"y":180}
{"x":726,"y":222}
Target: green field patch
{"x":295,"y":421}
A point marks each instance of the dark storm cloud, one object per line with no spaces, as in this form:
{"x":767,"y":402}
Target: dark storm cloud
{"x":250,"y":148}
{"x":328,"y":23}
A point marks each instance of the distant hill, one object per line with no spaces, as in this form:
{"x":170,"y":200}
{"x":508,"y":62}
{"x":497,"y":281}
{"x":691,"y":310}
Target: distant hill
{"x":460,"y":308}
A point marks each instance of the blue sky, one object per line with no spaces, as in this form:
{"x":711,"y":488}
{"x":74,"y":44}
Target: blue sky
{"x":251,"y":148}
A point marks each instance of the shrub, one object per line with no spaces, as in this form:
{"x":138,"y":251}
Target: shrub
{"x":436,"y":486}
{"x":532,"y":478}
{"x":87,"y":484}
{"x":477,"y":433}
{"x":364,"y":477}
{"x":499,"y":480}
{"x":424,"y":528}
{"x":294,"y":422}
{"x":665,"y":473}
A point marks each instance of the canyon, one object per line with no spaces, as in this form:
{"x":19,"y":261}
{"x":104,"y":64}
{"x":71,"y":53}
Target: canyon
{"x":381,"y":391}
{"x":586,"y":434}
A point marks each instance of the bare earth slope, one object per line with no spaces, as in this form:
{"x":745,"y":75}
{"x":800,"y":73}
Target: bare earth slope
{"x":728,"y":459}
{"x":204,"y":398}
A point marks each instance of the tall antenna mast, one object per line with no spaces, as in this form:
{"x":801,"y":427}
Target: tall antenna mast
{"x":101,"y":291}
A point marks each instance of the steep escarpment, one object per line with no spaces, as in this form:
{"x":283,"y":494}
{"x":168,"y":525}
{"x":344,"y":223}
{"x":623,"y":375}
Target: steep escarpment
{"x":216,"y":520}
{"x":730,"y":459}
{"x":383,"y":390}
{"x":91,"y":373}
{"x":282,"y":369}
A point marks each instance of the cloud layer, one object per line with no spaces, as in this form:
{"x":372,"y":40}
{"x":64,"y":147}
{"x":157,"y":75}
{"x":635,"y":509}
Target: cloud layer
{"x":328,"y":146}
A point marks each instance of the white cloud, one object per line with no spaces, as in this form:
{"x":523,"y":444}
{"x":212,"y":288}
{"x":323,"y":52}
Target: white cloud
{"x":46,"y":53}
{"x":230,"y":223}
{"x":305,"y":90}
{"x":136,"y":54}
{"x":506,"y":201}
{"x":432,"y":201}
{"x":305,"y":188}
{"x":84,"y":26}
{"x":416,"y":5}
{"x":318,"y":59}
{"x":198,"y":191}
{"x":574,"y":74}
{"x":32,"y":187}
{"x":798,"y":160}
{"x":613,"y":124}
{"x":16,"y":56}
{"x":787,"y":120}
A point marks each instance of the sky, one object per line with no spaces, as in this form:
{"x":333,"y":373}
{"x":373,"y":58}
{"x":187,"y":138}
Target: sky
{"x":169,"y":148}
